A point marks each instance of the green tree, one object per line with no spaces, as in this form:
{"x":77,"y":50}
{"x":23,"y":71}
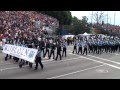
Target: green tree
{"x":64,"y":18}
{"x":78,"y":26}
{"x":72,"y":24}
{"x":85,"y":26}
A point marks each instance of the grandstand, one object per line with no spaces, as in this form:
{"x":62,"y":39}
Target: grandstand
{"x":25,"y":24}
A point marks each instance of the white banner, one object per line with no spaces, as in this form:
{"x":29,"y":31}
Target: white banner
{"x":24,"y":53}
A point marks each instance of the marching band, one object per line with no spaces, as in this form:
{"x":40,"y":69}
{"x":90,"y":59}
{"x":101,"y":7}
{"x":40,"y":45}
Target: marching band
{"x":54,"y":48}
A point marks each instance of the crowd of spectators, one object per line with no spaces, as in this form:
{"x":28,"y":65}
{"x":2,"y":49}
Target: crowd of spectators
{"x":108,"y":27}
{"x":25,"y":24}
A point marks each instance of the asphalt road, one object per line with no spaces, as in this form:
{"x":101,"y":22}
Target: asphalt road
{"x":92,"y":66}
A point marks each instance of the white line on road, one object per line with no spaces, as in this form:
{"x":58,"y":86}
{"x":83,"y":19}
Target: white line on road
{"x":8,"y":68}
{"x":87,"y":68}
{"x":75,"y":72}
{"x":2,"y":64}
{"x":100,"y":62}
{"x":45,"y":62}
{"x":65,"y":60}
{"x":113,"y":53}
{"x":116,"y":54}
{"x":103,"y":63}
{"x":104,"y":59}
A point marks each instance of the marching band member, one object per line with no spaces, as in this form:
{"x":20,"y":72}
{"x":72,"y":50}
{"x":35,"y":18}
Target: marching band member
{"x":79,"y":47}
{"x":64,"y":46}
{"x":38,"y":59}
{"x":52,"y":52}
{"x":58,"y":51}
{"x":85,"y":45}
{"x":75,"y":46}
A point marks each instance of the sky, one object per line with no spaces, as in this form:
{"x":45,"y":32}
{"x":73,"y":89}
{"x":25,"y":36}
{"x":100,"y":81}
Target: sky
{"x":79,"y":15}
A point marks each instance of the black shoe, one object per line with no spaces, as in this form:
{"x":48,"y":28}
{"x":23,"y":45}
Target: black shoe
{"x":26,"y":63}
{"x":5,"y":59}
{"x":35,"y":69}
{"x":43,"y":56}
{"x":16,"y":61}
{"x":30,"y":66}
{"x":23,"y":63}
{"x":41,"y":67}
{"x":20,"y":64}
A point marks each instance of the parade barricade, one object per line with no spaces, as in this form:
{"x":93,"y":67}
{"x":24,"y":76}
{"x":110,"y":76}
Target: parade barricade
{"x":24,"y":53}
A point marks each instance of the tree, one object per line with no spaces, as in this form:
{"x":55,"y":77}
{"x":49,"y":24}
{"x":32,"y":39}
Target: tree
{"x":64,"y":17}
{"x":85,"y":26}
{"x":78,"y":26}
{"x":98,"y":16}
{"x":84,"y":19}
{"x":71,"y":24}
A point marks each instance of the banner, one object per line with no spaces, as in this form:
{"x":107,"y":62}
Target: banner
{"x":24,"y":53}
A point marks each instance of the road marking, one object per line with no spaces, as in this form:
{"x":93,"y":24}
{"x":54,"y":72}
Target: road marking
{"x":104,"y":59}
{"x":43,"y":62}
{"x":69,"y":50}
{"x":75,"y":72}
{"x":66,"y":60}
{"x":86,"y":69}
{"x":2,"y":64}
{"x":101,"y":71}
{"x":101,"y":62}
{"x":8,"y":68}
{"x":116,"y":54}
{"x":113,"y":53}
{"x":47,"y":60}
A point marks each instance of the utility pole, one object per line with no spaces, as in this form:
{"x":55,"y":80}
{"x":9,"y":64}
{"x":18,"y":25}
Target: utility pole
{"x":92,"y":17}
{"x":114,"y":17}
{"x":110,"y":20}
{"x":107,"y":17}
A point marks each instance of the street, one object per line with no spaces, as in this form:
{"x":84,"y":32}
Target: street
{"x":92,"y":66}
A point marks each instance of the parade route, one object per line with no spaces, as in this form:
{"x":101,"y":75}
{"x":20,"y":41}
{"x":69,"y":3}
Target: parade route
{"x":92,"y":66}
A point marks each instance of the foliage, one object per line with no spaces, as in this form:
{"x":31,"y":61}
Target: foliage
{"x":64,"y":17}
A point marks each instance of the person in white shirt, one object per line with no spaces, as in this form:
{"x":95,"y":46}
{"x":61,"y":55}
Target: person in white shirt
{"x":64,"y":46}
{"x":85,"y":45}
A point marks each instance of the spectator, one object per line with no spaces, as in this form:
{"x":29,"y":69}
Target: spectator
{"x":22,"y":24}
